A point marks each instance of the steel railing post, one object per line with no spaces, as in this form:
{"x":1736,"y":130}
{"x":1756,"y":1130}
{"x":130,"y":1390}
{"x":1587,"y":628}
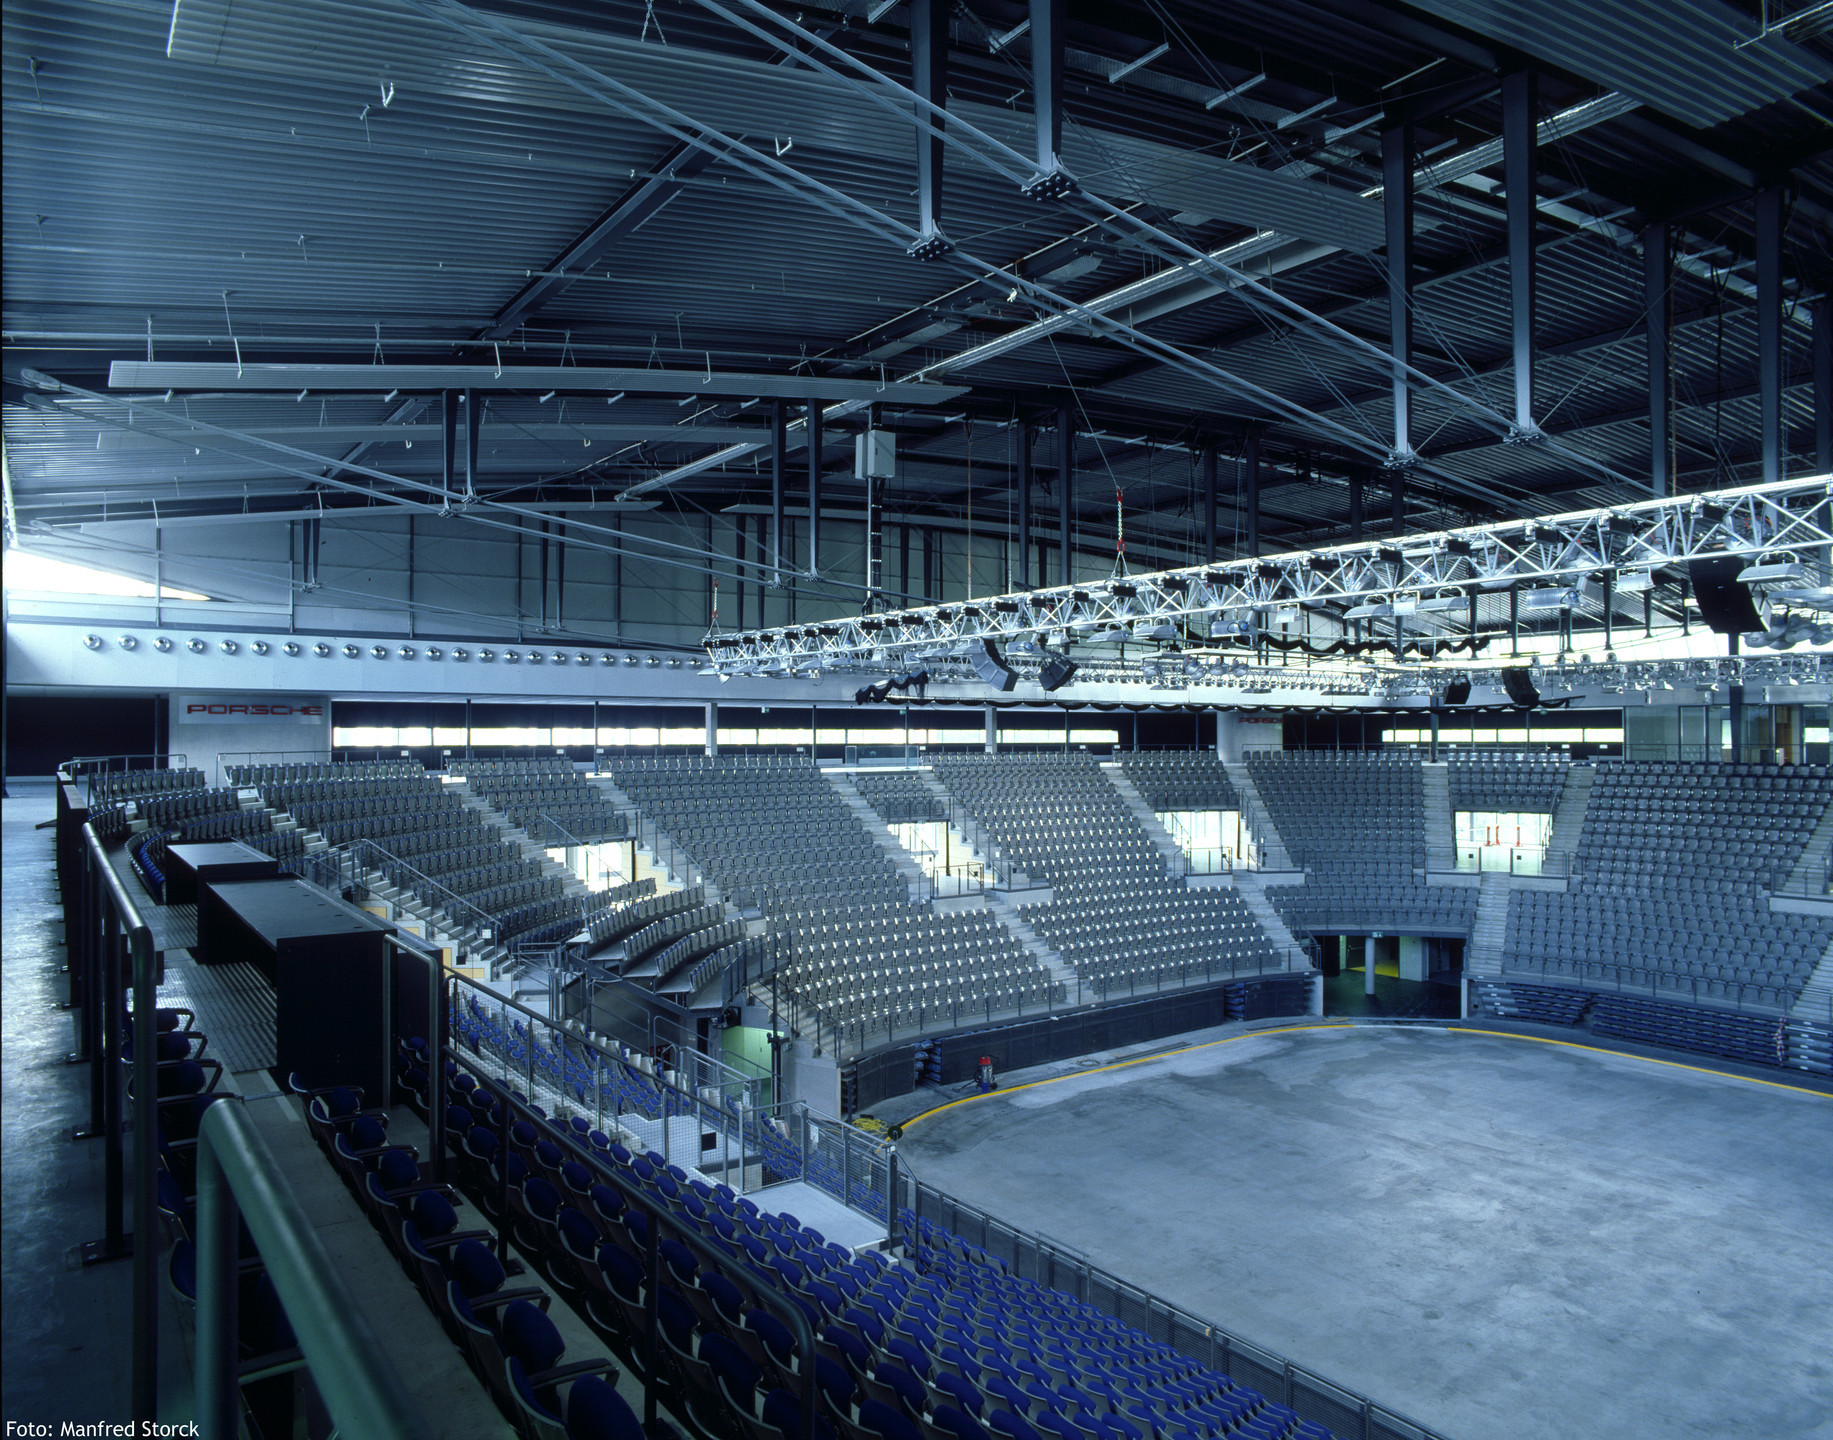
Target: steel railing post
{"x":435,"y":1062}
{"x":113,"y":1128}
{"x":218,"y":1406}
{"x":146,"y":1161}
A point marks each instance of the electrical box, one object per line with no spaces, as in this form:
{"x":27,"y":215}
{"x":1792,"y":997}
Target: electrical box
{"x":875,"y":455}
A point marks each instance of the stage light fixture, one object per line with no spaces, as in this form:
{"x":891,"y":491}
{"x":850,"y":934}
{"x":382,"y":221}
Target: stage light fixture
{"x":163,"y":644}
{"x":196,"y":646}
{"x":321,"y":650}
{"x":291,"y":649}
{"x":407,"y":652}
{"x":127,"y":642}
{"x":352,"y":651}
{"x":260,"y":647}
{"x":433,"y":652}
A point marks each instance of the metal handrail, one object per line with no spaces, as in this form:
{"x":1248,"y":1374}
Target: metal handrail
{"x":239,"y":1179}
{"x":109,"y":924}
{"x":663,"y":1219}
{"x":1221,"y":1339}
{"x":485,"y":921}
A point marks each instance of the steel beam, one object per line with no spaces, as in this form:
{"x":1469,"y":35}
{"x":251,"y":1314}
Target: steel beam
{"x":1209,"y":504}
{"x":1250,"y":489}
{"x":1823,"y":384}
{"x":1397,"y":202}
{"x":929,"y":78}
{"x":1518,"y":164}
{"x":1023,"y":482}
{"x":1657,"y":282}
{"x":1049,"y":22}
{"x":779,"y":459}
{"x":1769,"y":328}
{"x":812,"y":429}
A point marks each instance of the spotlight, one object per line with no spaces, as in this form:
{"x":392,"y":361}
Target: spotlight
{"x":630,"y":660}
{"x":127,"y":642}
{"x":535,"y":657}
{"x":195,"y":646}
{"x":260,"y":647}
{"x":460,"y":654}
{"x":352,"y":651}
{"x":379,"y":651}
{"x":321,"y":650}
{"x":228,"y":647}
{"x":512,"y":657}
{"x":486,"y":655}
{"x":654,"y":662}
{"x":433,"y":652}
{"x":406,"y":652}
{"x":94,"y":642}
{"x":607,"y":659}
{"x":290,"y":648}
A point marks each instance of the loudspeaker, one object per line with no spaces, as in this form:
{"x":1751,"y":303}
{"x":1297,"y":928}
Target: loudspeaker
{"x":1724,"y":604}
{"x":990,"y":668}
{"x":1520,"y":688}
{"x":1457,"y":692}
{"x":1056,"y":673}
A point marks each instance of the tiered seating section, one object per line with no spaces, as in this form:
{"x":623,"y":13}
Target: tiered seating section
{"x":1356,"y":821}
{"x":900,"y":797}
{"x":218,"y":815}
{"x":433,"y":836}
{"x":116,"y":785}
{"x":1670,"y":885}
{"x":1115,"y":915}
{"x":772,"y":833}
{"x":1506,"y":781}
{"x":1180,"y":779}
{"x":945,"y":1346}
{"x":526,"y":790}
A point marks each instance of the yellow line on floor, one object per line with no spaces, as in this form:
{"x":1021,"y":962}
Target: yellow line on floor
{"x":1652,"y":1060}
{"x":1292,"y":1029}
{"x":1119,"y":1065}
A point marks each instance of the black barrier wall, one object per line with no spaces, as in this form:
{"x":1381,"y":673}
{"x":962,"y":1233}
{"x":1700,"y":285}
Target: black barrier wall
{"x":1022,"y":1043}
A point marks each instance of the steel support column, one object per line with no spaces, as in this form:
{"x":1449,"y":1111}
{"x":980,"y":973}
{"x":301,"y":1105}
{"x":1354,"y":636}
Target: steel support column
{"x":1048,"y":23}
{"x":929,"y":78}
{"x":1397,"y":203}
{"x":814,"y":440}
{"x":779,"y":458}
{"x":448,"y":469}
{"x":1023,"y":482}
{"x":1066,"y":474}
{"x":1518,"y":166}
{"x":1769,"y":328}
{"x":474,"y":424}
{"x":1209,"y":504}
{"x":1656,"y":300}
{"x":1250,"y":490}
{"x":1823,"y":384}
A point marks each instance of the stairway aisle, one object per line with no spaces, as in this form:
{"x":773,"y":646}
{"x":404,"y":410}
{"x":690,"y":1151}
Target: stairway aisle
{"x":1488,"y":935}
{"x":1569,"y":819}
{"x":1251,"y":887}
{"x":882,"y":834}
{"x":1259,"y":819}
{"x":1441,"y":833}
{"x":1143,"y":813}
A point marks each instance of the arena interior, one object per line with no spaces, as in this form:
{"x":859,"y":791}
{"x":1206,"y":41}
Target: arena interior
{"x":884,"y":720}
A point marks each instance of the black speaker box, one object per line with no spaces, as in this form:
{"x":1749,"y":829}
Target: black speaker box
{"x":1724,"y":605}
{"x":1457,"y":692}
{"x":1520,"y":688}
{"x":1056,"y":673}
{"x":990,"y":668}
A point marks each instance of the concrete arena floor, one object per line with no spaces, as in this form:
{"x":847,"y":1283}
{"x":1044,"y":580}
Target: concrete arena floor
{"x":1497,"y":1237}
